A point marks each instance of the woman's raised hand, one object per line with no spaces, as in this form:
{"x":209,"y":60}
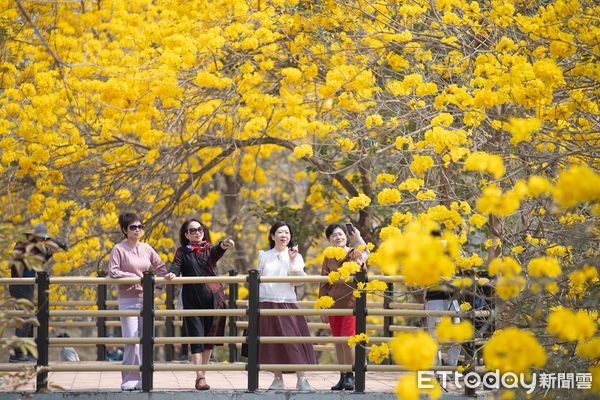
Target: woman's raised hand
{"x":227,"y":244}
{"x":293,"y":253}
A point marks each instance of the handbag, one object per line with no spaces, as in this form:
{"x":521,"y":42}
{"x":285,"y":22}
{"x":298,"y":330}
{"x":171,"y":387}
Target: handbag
{"x":214,"y":287}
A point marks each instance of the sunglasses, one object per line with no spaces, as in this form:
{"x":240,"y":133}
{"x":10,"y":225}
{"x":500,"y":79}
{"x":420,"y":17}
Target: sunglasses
{"x":193,"y":231}
{"x":135,"y":227}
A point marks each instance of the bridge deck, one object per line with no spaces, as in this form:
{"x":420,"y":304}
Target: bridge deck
{"x":184,"y":380}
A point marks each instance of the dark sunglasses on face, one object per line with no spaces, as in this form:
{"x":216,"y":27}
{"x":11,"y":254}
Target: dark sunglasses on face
{"x":134,"y":227}
{"x":193,"y":231}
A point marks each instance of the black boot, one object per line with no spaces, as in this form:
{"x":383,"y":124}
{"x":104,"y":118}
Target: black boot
{"x":349,"y":381}
{"x":340,"y":384}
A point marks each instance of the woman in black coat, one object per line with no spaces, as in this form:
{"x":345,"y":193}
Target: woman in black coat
{"x":197,"y":257}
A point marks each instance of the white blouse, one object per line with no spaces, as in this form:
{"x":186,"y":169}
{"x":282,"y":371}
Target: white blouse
{"x":274,"y":263}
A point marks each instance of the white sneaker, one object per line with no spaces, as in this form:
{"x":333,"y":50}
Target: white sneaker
{"x":277,"y":384}
{"x":131,"y":385}
{"x":303,"y":385}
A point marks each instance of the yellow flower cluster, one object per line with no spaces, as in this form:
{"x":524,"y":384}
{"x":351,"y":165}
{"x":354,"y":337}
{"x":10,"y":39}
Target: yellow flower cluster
{"x":579,"y":280}
{"x":359,"y":202}
{"x":376,"y":286}
{"x":411,"y":184}
{"x":302,"y":151}
{"x":358,"y":339}
{"x":385,"y":178}
{"x":544,"y":266}
{"x":423,"y":259}
{"x":508,"y":287}
{"x":447,"y":331}
{"x":420,"y":164}
{"x":484,"y":162}
{"x":469,"y":262}
{"x":570,"y":325}
{"x":493,"y":201}
{"x":348,"y":269}
{"x":408,"y":388}
{"x":576,"y":185}
{"x":589,"y":348}
{"x":506,"y":266}
{"x":415,"y":351}
{"x":513,"y":350}
{"x":335,"y":252}
{"x":477,"y":220}
{"x":346,"y":144}
{"x":324,"y":302}
{"x":379,"y":353}
{"x":521,"y":129}
{"x":389,"y":196}
{"x":401,"y":219}
{"x":570,"y":219}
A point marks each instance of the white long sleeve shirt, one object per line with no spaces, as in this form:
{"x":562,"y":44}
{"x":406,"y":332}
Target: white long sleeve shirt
{"x":274,"y":263}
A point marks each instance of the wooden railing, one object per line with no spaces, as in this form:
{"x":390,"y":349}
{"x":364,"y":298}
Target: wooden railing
{"x":250,"y":309}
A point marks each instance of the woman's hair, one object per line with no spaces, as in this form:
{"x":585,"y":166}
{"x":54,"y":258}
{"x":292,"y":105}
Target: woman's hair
{"x":127,"y":219}
{"x":184,"y":228}
{"x":329,"y":231}
{"x":274,"y":228}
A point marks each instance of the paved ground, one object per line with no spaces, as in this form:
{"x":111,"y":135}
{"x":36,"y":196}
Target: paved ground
{"x":184,"y":380}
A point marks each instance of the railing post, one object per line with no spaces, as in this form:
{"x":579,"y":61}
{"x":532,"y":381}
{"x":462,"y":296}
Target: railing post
{"x":169,"y":325}
{"x":360,"y":312}
{"x":147,"y":366}
{"x":101,"y":294}
{"x":43,"y":317}
{"x":233,"y":296}
{"x":252,"y":338}
{"x":388,"y":297}
{"x":469,"y":348}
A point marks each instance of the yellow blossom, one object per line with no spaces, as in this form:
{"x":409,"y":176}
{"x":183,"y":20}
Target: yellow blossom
{"x":506,"y":266}
{"x":589,"y":349}
{"x":447,"y":331}
{"x":477,"y":220}
{"x":324,"y":302}
{"x":388,"y":196}
{"x":570,"y":325}
{"x":484,"y":162}
{"x":415,"y":351}
{"x":408,"y":389}
{"x":358,"y":339}
{"x":334,"y":252}
{"x":379,"y":353}
{"x":302,"y":151}
{"x":544,"y":266}
{"x":513,"y":350}
{"x":359,"y":202}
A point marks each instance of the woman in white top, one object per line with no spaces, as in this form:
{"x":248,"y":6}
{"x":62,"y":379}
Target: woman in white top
{"x":282,"y":260}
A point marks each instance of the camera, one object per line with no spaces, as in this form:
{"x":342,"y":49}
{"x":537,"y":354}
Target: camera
{"x":350,"y":229}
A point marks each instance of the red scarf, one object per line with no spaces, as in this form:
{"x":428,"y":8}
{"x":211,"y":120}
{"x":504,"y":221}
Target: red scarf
{"x":197,"y":248}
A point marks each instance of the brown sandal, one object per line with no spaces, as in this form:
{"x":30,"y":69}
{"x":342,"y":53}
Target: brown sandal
{"x":201,"y":386}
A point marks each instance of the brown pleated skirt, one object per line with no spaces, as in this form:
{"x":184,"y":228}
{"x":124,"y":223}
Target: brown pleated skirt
{"x":284,"y":353}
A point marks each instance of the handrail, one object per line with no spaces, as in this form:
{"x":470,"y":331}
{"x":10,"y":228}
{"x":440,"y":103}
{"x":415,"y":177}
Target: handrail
{"x":251,"y":311}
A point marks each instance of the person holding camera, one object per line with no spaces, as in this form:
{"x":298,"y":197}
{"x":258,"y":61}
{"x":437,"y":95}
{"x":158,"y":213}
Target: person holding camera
{"x":27,"y":256}
{"x":339,"y":235}
{"x":282,"y":259}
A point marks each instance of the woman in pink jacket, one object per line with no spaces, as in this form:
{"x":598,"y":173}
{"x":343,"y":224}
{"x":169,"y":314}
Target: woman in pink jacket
{"x":129,"y":259}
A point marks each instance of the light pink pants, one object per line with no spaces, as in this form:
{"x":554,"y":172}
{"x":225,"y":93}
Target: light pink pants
{"x":131,"y":327}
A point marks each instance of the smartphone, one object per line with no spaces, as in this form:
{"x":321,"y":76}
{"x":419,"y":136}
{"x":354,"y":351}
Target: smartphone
{"x":350,"y":229}
{"x":291,"y":244}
